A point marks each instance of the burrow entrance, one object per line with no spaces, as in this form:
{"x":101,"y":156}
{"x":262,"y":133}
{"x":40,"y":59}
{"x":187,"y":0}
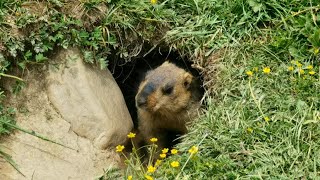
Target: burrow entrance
{"x":129,"y":74}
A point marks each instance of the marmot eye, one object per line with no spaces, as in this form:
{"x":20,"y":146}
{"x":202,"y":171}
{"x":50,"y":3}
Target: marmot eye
{"x":167,"y":89}
{"x":186,"y":84}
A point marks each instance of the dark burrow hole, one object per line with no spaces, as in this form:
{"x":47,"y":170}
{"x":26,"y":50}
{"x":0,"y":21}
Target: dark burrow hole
{"x":128,"y":75}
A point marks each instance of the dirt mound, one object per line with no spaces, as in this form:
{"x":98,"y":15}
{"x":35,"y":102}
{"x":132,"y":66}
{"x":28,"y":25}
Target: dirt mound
{"x":74,"y":106}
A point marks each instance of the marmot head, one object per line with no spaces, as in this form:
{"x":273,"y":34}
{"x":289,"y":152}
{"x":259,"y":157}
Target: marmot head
{"x":165,"y":90}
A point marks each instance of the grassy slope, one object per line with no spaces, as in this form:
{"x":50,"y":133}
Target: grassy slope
{"x":264,"y":126}
{"x":236,"y":140}
{"x":240,"y":142}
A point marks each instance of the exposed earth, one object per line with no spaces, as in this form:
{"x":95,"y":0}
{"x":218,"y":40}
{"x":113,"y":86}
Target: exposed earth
{"x":75,"y":104}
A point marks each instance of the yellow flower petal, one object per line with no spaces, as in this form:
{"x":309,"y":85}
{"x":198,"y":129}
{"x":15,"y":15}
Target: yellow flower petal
{"x":193,"y":150}
{"x":165,"y":150}
{"x":153,"y":2}
{"x":119,"y":148}
{"x":266,"y":70}
{"x":148,"y":177}
{"x":129,"y":177}
{"x":175,"y":164}
{"x":301,"y":71}
{"x":158,"y":162}
{"x":290,"y":68}
{"x":153,"y":140}
{"x":249,"y":130}
{"x":174,"y":151}
{"x":249,"y":73}
{"x":312,"y":72}
{"x":267,"y":119}
{"x":131,"y":135}
{"x":163,"y":156}
{"x":151,"y":169}
{"x":309,"y":67}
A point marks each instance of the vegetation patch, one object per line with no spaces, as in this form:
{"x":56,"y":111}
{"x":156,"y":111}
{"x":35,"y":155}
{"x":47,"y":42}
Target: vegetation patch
{"x":259,"y":61}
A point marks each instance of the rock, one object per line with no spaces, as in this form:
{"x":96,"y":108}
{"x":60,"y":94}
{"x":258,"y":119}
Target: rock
{"x":77,"y":105}
{"x":89,"y":99}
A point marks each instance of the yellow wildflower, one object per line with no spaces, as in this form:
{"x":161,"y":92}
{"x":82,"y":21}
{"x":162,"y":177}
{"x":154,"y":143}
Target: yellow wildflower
{"x":148,"y":177}
{"x":131,"y":135}
{"x":299,"y":64}
{"x":158,"y":162}
{"x":165,"y":150}
{"x":249,"y":73}
{"x":153,"y":2}
{"x":193,"y":150}
{"x":267,"y":119}
{"x":163,"y":156}
{"x":174,"y":151}
{"x":151,"y":169}
{"x":119,"y":148}
{"x":290,"y":68}
{"x":129,"y":177}
{"x":153,"y":140}
{"x":301,"y":71}
{"x":312,"y":72}
{"x":249,"y":130}
{"x":309,"y":67}
{"x":316,"y":51}
{"x":175,"y":164}
{"x":266,"y":70}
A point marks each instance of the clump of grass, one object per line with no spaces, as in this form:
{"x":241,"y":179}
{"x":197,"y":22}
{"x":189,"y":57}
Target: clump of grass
{"x":264,"y":122}
{"x":6,"y":123}
{"x":156,"y":166}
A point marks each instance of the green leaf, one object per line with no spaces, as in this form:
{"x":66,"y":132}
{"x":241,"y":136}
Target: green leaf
{"x":58,"y":36}
{"x":84,"y":34}
{"x":22,"y":65}
{"x":65,"y":44}
{"x":28,"y":55}
{"x":103,"y":63}
{"x":88,"y":56}
{"x":40,"y":57}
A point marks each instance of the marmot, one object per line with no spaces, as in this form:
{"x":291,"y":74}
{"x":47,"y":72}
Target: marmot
{"x":167,"y":99}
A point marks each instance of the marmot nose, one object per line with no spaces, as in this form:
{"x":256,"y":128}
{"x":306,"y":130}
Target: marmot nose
{"x":142,"y":97}
{"x":141,"y":101}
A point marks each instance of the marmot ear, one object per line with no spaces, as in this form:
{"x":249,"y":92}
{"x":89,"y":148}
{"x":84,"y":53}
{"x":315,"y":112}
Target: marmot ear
{"x":187,"y":79}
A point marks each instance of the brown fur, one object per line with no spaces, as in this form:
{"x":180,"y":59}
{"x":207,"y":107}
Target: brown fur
{"x":161,"y":110}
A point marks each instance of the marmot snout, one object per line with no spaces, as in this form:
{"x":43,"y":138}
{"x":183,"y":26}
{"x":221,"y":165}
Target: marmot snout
{"x":167,"y":99}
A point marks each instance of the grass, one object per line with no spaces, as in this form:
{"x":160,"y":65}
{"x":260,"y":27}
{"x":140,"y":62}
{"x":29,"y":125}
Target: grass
{"x":264,"y":126}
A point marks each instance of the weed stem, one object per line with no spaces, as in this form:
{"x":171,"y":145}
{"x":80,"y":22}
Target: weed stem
{"x":11,"y":76}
